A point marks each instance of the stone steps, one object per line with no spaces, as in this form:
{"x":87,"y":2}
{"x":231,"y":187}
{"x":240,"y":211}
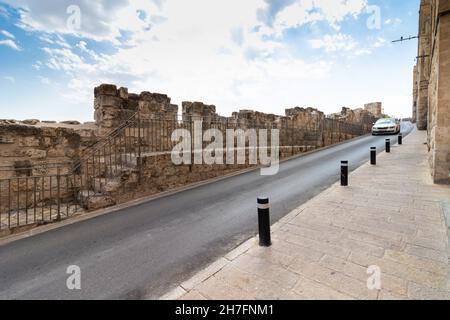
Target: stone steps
{"x":108,"y":179}
{"x":92,"y":200}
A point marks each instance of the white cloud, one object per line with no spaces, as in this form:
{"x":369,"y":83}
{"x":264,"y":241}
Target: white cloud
{"x":212,"y":51}
{"x":333,"y":43}
{"x":301,"y":12}
{"x":11,"y":44}
{"x":346,"y":44}
{"x":100,"y":20}
{"x":37,"y":66}
{"x":216,"y":57}
{"x":3,"y":12}
{"x":335,"y":11}
{"x":82,"y":45}
{"x":380,"y":42}
{"x":7,"y":34}
{"x":45,"y":80}
{"x":10,"y":79}
{"x":394,"y":22}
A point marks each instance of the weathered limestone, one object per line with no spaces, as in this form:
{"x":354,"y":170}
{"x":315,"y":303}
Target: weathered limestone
{"x":360,"y":116}
{"x":439,"y":96}
{"x":39,"y":147}
{"x":375,"y":108}
{"x":433,"y":84}
{"x":114,"y":106}
{"x":94,"y":201}
{"x":423,"y":63}
{"x":415,"y":94}
{"x":194,"y":111}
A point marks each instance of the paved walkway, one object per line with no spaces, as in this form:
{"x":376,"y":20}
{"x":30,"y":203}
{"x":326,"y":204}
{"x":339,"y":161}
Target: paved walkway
{"x":391,"y":216}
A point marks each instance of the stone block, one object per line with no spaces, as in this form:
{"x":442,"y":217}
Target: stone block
{"x":31,"y":122}
{"x":35,"y":153}
{"x":108,"y":101}
{"x":105,"y":89}
{"x":29,"y":142}
{"x":71,"y":122}
{"x":123,"y":93}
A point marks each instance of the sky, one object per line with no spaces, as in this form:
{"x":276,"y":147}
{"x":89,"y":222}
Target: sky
{"x":264,"y":55}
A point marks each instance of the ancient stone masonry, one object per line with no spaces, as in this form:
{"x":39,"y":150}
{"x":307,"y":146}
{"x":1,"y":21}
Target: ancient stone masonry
{"x":113,"y":106}
{"x":431,"y":104}
{"x":415,"y":95}
{"x":52,"y":170}
{"x":34,"y":148}
{"x":375,"y":108}
{"x":193,"y":111}
{"x":423,"y":64}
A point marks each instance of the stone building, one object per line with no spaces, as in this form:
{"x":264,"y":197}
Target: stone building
{"x":431,"y":104}
{"x":415,"y":93}
{"x":423,"y":64}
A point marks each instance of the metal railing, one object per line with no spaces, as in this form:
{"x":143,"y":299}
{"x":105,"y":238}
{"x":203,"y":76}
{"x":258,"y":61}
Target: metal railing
{"x":36,"y":199}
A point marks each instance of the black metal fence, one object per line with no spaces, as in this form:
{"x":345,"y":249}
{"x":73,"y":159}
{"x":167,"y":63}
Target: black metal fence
{"x":36,"y":199}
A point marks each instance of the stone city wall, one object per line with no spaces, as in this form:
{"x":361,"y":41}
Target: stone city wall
{"x":439,"y":91}
{"x":96,"y":173}
{"x":33,"y":148}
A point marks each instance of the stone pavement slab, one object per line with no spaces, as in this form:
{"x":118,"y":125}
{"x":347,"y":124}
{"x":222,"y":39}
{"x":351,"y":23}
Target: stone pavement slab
{"x":391,"y":217}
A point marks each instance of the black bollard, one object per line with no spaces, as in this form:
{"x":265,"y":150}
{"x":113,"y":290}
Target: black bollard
{"x":264,"y":222}
{"x":388,"y":145}
{"x":373,"y":156}
{"x":344,"y":173}
{"x":400,"y":139}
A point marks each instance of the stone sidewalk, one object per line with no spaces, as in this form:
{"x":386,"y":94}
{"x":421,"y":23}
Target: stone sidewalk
{"x":391,"y":216}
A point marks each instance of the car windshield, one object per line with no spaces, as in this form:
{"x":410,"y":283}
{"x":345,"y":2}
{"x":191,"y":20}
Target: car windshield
{"x":385,"y":121}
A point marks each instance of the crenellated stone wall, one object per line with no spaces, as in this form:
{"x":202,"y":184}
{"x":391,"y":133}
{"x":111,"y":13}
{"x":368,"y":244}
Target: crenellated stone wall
{"x":375,"y":108}
{"x":114,"y":106}
{"x":46,"y":143}
{"x":42,"y":152}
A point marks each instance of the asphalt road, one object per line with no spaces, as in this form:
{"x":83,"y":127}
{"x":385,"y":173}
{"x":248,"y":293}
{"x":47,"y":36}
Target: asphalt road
{"x":146,"y":250}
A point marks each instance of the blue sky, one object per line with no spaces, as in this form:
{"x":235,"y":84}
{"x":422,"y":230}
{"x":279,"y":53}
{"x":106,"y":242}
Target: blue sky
{"x":264,"y":55}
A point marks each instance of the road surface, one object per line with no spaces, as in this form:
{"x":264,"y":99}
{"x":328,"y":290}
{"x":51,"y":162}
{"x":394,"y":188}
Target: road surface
{"x":146,"y":250}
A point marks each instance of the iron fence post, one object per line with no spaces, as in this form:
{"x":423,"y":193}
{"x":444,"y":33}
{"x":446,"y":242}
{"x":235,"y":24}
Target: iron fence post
{"x":139,"y":159}
{"x":58,"y":184}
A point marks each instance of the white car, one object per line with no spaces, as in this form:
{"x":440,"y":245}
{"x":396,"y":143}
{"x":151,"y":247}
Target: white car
{"x":386,"y":126}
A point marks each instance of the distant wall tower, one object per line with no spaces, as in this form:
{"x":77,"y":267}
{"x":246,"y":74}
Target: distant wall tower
{"x":375,"y":108}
